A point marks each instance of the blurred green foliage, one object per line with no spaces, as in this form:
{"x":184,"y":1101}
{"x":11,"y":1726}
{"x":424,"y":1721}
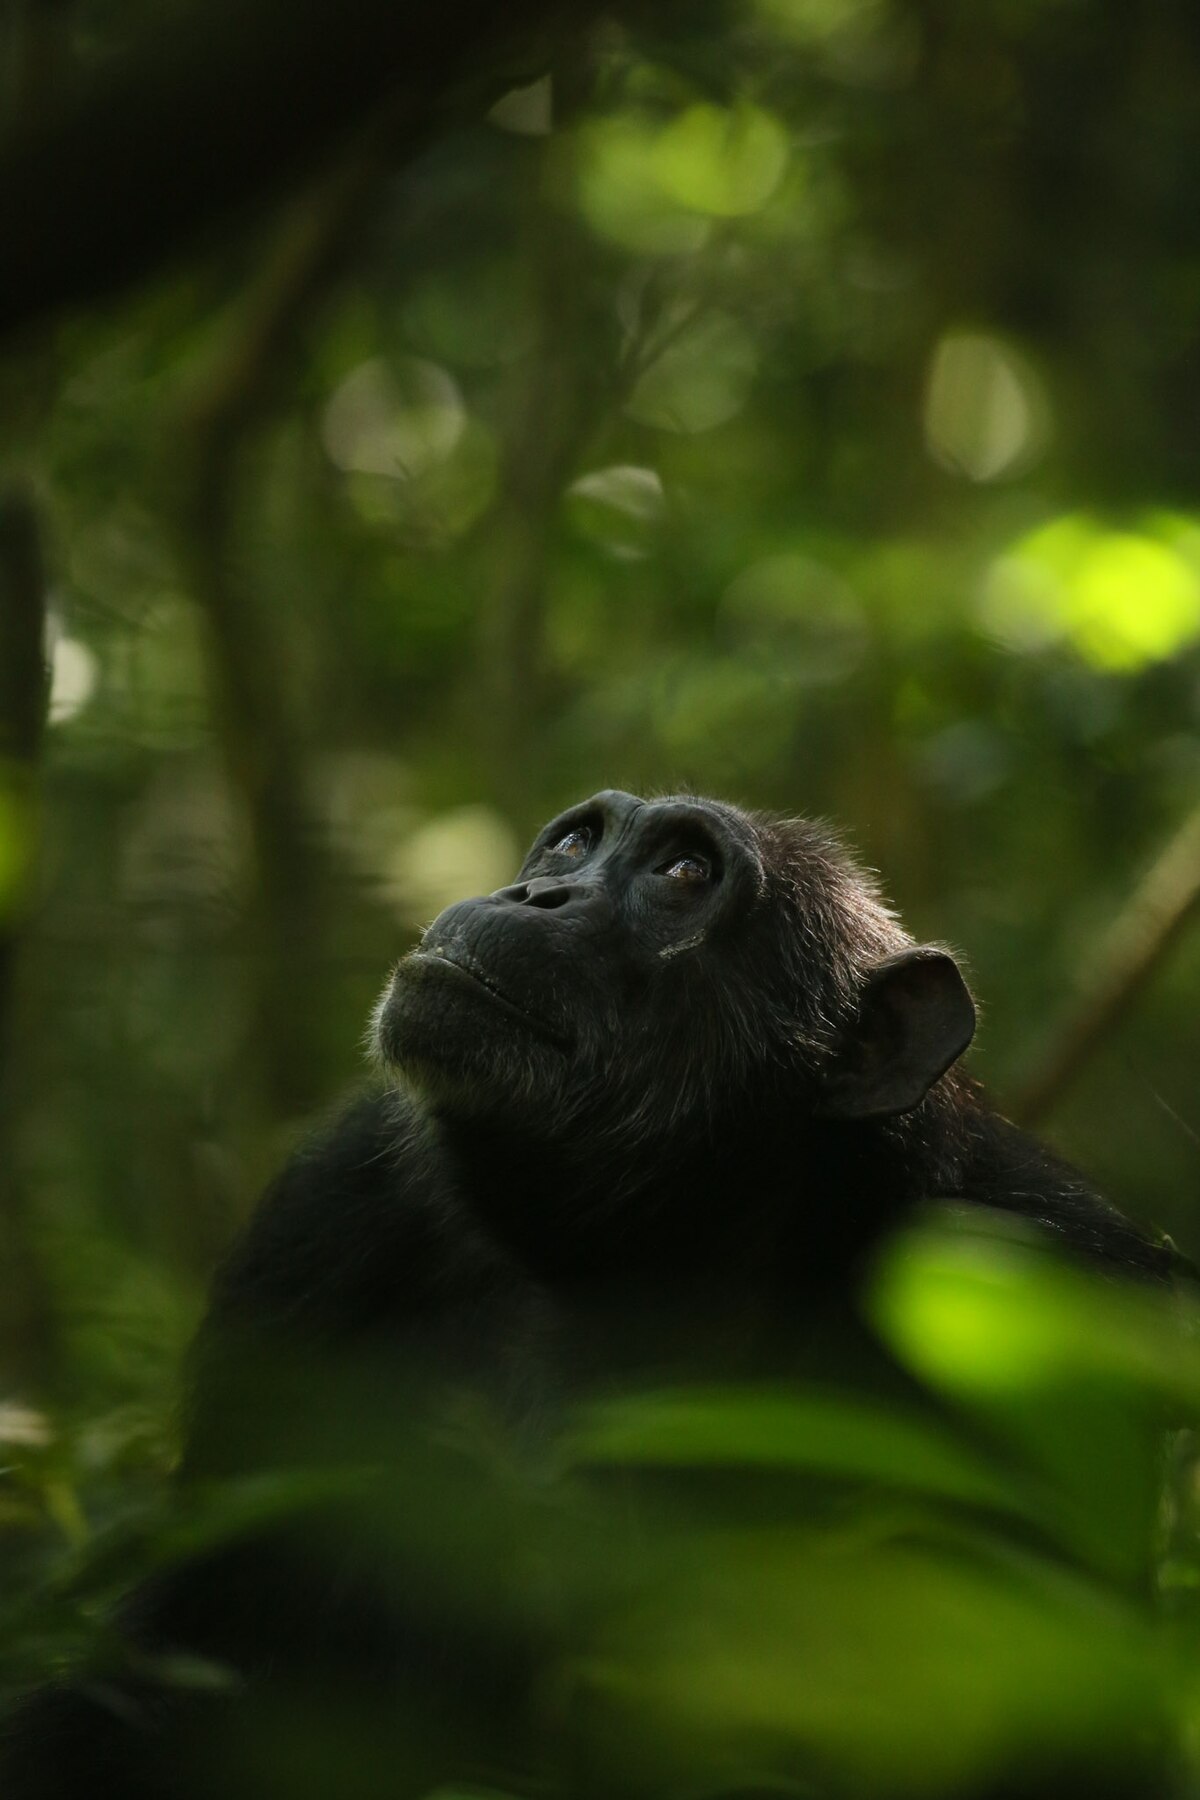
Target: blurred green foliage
{"x":796,"y":1588}
{"x":796,"y":401}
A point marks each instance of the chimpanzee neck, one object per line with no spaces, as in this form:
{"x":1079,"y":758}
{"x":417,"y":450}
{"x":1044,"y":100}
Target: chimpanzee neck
{"x":773,"y":1197}
{"x":573,"y":1209}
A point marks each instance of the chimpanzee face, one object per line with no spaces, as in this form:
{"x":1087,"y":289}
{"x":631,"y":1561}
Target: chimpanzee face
{"x":655,"y":957}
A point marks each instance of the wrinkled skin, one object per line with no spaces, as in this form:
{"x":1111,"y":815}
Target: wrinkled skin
{"x":645,"y":1112}
{"x":608,"y":977}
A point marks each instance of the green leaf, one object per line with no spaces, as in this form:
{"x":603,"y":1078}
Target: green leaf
{"x":830,"y":1434}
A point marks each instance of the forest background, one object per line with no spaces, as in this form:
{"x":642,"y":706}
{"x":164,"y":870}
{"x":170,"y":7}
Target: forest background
{"x":416,"y":419}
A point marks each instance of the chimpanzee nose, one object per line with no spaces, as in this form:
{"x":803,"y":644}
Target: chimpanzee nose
{"x":544,"y":891}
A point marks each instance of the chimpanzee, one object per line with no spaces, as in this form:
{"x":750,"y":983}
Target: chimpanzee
{"x":645,"y":1113}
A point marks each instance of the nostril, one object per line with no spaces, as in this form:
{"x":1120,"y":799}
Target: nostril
{"x":545,"y":891}
{"x":548,"y":898}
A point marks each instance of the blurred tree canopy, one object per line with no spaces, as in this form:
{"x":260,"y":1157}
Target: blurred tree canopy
{"x":415,"y":418}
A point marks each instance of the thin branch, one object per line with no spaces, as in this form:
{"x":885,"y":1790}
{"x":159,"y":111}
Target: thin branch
{"x":26,"y":1331}
{"x":260,"y":740}
{"x":1166,"y":899}
{"x":22,"y":635}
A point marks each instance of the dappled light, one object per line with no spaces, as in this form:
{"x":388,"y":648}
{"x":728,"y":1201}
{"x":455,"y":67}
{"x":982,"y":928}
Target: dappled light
{"x":721,"y":161}
{"x":985,"y":415}
{"x":1120,"y":599}
{"x":398,"y":424}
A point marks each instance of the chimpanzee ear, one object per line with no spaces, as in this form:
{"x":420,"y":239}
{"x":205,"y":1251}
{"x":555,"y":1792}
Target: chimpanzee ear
{"x":915,"y":1018}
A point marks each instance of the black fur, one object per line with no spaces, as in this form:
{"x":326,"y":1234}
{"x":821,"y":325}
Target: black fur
{"x":644,"y":1113}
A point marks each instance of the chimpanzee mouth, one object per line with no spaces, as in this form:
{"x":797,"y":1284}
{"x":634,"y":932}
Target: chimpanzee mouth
{"x":463,"y":967}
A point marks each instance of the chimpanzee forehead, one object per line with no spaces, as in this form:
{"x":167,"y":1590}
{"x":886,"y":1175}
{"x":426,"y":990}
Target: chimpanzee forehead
{"x":620,"y":805}
{"x":616,"y":804}
{"x":737,"y":826}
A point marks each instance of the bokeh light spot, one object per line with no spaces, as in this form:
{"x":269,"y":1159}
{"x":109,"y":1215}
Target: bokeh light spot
{"x":469,"y":850}
{"x":702,"y":379}
{"x":724,"y":161}
{"x":73,"y":674}
{"x":1122,"y":599}
{"x":527,"y":111}
{"x":396,"y":421}
{"x":801,"y":614}
{"x":618,"y":508}
{"x":985,"y":412}
{"x":621,"y":196}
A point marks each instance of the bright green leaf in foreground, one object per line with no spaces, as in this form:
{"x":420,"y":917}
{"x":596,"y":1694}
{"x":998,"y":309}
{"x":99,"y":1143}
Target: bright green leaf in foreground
{"x":982,"y":1315}
{"x":831,"y":1434}
{"x":1079,"y":1373}
{"x":760,"y":1660}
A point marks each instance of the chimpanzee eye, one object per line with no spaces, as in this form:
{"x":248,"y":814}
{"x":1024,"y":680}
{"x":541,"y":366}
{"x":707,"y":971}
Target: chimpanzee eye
{"x":575,"y":844}
{"x":688,"y":868}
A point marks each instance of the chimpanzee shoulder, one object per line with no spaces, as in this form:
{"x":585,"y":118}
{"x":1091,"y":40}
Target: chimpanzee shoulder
{"x":362,"y":1248}
{"x":1015,"y":1173}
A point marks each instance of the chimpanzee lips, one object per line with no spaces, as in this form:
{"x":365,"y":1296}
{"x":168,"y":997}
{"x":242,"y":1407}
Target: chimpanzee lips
{"x":461,"y":965}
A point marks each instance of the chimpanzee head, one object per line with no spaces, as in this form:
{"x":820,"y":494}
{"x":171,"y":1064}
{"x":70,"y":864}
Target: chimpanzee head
{"x":662,"y":963}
